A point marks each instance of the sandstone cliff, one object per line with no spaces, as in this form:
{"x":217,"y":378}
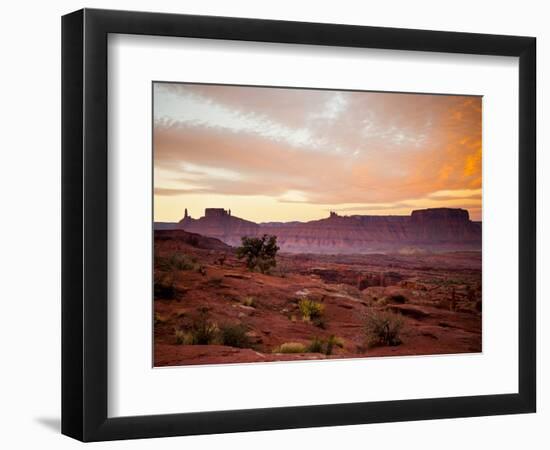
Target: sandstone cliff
{"x":437,"y":229}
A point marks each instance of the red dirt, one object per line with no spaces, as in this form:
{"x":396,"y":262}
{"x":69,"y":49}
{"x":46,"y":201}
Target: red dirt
{"x":438,"y":297}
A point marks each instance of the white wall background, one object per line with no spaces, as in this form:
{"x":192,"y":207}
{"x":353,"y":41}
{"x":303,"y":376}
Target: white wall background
{"x":30,"y":225}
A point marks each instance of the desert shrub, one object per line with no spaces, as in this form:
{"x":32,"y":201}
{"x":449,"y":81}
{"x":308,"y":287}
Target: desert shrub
{"x":183,"y":337}
{"x":249,"y":301}
{"x":291,"y":347}
{"x":324,"y":346}
{"x":176,"y":261}
{"x":382,"y":328}
{"x":234,"y":335}
{"x":310,"y":309}
{"x":164,"y":285}
{"x":331,"y":342}
{"x":316,"y":346}
{"x":180,"y":261}
{"x":201,"y":330}
{"x":204,"y":332}
{"x":259,"y":252}
{"x":179,"y":336}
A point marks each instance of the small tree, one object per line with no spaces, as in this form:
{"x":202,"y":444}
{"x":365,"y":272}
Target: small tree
{"x":259,"y":252}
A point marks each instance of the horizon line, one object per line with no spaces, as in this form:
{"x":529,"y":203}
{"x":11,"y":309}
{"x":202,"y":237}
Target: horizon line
{"x":331,"y":213}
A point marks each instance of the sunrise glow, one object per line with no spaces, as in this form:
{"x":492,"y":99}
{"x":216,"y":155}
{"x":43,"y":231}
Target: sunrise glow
{"x":274,"y":154}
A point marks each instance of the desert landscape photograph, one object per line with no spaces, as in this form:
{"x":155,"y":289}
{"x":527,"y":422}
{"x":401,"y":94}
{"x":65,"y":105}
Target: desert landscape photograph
{"x":313,"y":224}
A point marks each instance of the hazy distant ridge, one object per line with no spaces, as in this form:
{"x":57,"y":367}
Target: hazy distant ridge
{"x":435,"y":229}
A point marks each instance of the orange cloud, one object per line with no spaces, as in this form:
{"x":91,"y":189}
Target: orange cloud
{"x":324,"y":149}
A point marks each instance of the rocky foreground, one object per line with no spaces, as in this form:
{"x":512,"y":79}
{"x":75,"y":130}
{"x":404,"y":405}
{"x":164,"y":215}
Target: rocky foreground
{"x":209,"y":309}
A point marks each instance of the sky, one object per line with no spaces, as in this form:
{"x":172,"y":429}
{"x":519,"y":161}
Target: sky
{"x":276,"y":154}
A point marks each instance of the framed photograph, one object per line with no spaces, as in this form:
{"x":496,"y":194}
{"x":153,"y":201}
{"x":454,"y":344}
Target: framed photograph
{"x":272,"y":224}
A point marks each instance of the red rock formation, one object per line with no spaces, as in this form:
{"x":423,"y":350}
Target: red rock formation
{"x":436,"y":229}
{"x":443,"y":225}
{"x":219,"y":224}
{"x":192,"y":239}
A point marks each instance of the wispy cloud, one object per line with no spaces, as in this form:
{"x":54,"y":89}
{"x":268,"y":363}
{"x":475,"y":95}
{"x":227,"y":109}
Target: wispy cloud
{"x":315,"y":147}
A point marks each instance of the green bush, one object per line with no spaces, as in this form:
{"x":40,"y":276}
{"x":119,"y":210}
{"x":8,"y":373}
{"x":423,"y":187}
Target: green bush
{"x":259,"y":252}
{"x":176,"y":261}
{"x":310,"y":309}
{"x":331,"y":342}
{"x":324,"y":346}
{"x":234,"y":335}
{"x":316,"y":346}
{"x":200,"y":329}
{"x":382,"y":328}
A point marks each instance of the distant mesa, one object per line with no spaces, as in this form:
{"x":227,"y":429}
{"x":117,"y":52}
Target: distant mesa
{"x":216,"y":212}
{"x":440,"y":214}
{"x":433,"y":229}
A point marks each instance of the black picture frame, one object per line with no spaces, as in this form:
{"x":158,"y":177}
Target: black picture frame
{"x":84,"y":224}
